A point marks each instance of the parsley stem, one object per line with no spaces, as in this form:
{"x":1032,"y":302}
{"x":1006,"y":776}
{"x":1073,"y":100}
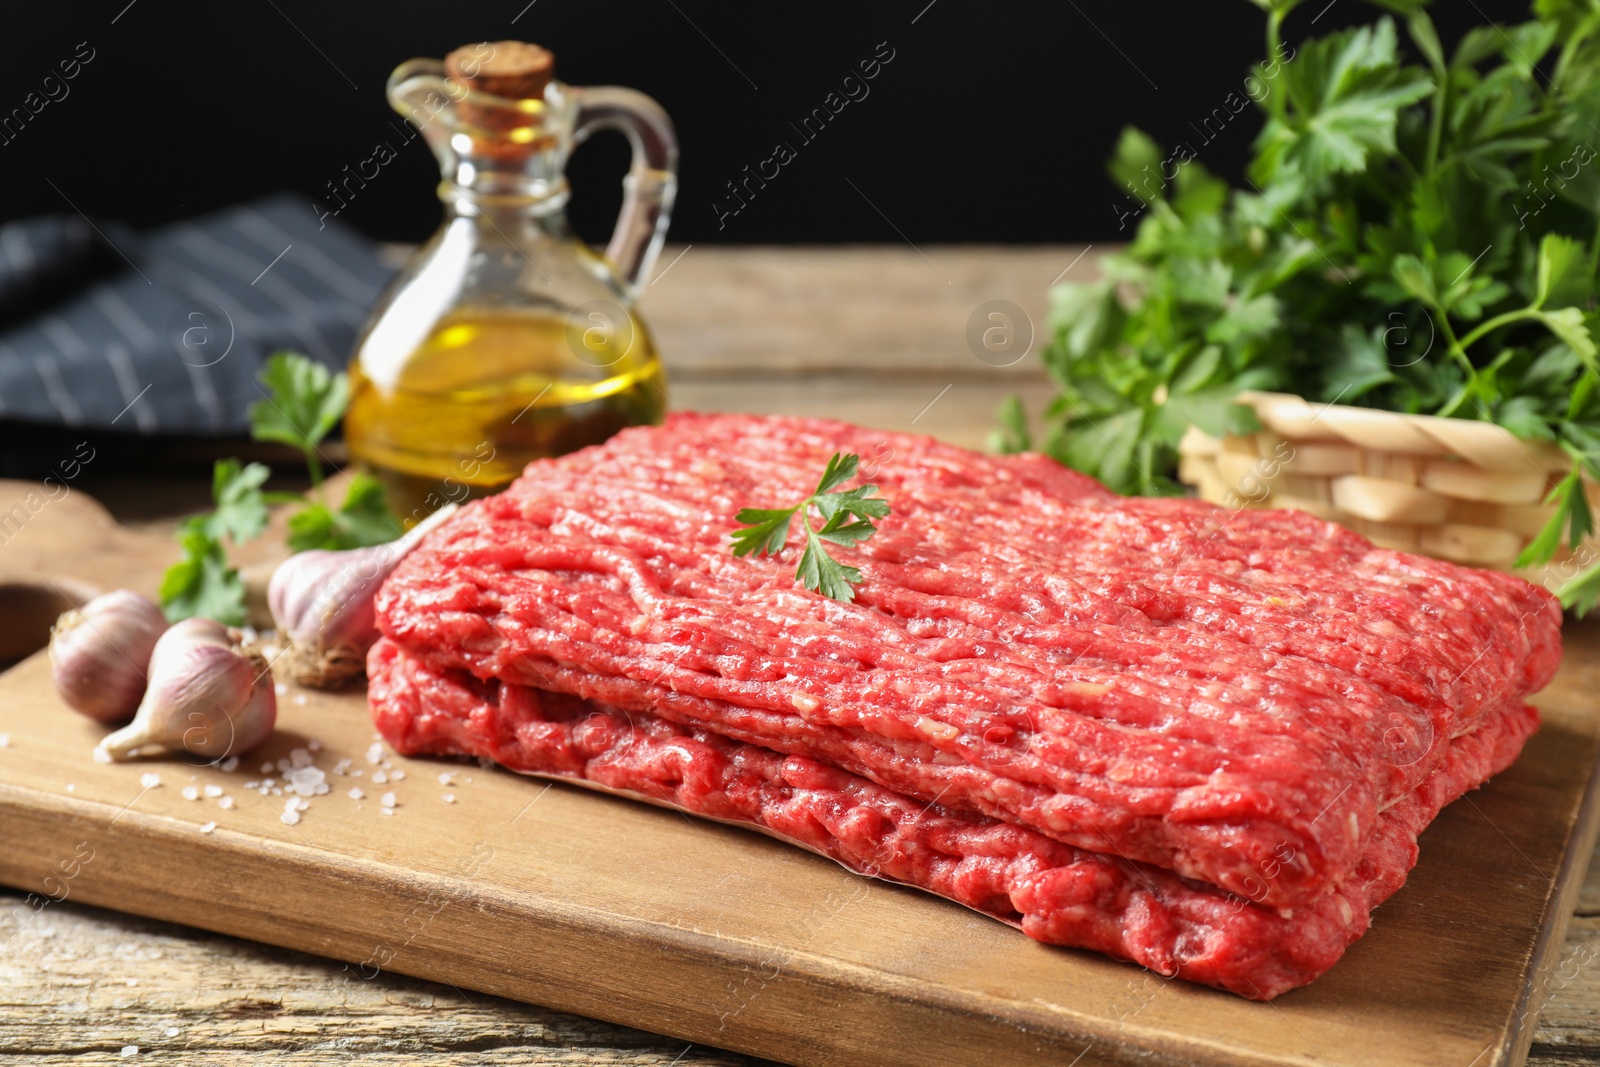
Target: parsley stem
{"x":1441,"y":101}
{"x":314,"y":469}
{"x":1494,"y":324}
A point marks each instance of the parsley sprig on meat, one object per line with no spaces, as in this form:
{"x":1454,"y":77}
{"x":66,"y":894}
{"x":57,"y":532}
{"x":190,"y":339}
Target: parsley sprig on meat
{"x":1418,"y":236}
{"x":847,"y":516}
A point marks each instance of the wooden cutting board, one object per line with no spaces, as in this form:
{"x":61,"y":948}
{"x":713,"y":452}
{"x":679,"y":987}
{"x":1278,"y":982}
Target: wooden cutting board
{"x":580,"y":901}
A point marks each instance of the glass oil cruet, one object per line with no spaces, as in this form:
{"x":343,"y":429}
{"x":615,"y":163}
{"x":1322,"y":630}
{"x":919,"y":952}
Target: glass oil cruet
{"x":505,"y":338}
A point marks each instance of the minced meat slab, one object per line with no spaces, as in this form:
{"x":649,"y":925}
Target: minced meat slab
{"x":1211,"y":692}
{"x":1056,"y":893}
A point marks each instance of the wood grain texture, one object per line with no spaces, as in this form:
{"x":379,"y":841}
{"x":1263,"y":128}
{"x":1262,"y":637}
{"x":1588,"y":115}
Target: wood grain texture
{"x":873,"y":335}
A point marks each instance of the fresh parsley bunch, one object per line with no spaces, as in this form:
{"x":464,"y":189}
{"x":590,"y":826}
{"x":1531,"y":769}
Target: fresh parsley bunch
{"x":1413,"y":235}
{"x":303,"y":403}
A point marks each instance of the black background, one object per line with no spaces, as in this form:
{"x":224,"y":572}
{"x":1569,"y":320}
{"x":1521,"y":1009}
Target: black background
{"x":991,"y":123}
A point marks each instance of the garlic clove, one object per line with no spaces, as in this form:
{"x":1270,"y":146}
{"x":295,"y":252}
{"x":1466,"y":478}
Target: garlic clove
{"x":208,"y":696}
{"x":323,"y":605}
{"x":100,"y":654}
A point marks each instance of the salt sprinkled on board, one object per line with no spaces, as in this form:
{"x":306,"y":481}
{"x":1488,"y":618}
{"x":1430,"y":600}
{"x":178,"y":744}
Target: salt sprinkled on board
{"x":342,"y":767}
{"x":280,"y":689}
{"x":252,"y":785}
{"x":225,"y":803}
{"x":206,"y":828}
{"x":230,"y":764}
{"x":71,"y":788}
{"x":171,"y":1031}
{"x":449,"y":798}
{"x":300,"y":699}
{"x":314,"y":745}
{"x":385,"y":811}
{"x":191,"y":793}
{"x":291,"y":816}
{"x":398,"y":776}
{"x":149,"y":779}
{"x":387,"y":800}
{"x":374,"y":752}
{"x":355,"y":793}
{"x":5,"y":740}
{"x":379,"y":777}
{"x":100,"y":755}
{"x":446,"y":778}
{"x":266,"y":768}
{"x":129,"y":1050}
{"x":304,"y":780}
{"x":213,"y":790}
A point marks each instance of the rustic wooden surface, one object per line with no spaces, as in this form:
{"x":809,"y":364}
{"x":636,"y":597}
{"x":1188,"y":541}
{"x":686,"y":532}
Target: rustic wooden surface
{"x":874,"y":335}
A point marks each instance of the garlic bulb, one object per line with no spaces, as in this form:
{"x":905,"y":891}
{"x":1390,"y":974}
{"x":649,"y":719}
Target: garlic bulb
{"x":322,"y":603}
{"x":207,"y":695}
{"x":99,"y":654}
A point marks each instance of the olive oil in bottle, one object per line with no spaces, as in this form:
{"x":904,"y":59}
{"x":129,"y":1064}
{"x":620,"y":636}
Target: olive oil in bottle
{"x":506,"y":339}
{"x":488,"y":391}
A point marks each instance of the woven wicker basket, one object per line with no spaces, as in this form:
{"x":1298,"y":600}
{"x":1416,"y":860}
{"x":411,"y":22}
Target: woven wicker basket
{"x":1457,"y":489}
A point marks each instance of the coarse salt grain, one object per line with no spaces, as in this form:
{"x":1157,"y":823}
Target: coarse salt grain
{"x":252,"y":785}
{"x":266,"y":768}
{"x":398,"y":776}
{"x":291,"y":816}
{"x":230,"y":764}
{"x":374,"y":752}
{"x":206,"y":828}
{"x":314,"y":745}
{"x":449,"y":798}
{"x":149,"y":779}
{"x":71,"y":788}
{"x":387,"y":800}
{"x":191,"y":793}
{"x":225,"y":803}
{"x":280,"y":688}
{"x":171,"y":1031}
{"x":129,"y":1050}
{"x":5,"y":740}
{"x":387,"y":764}
{"x":213,"y":790}
{"x":300,"y":699}
{"x":355,"y":793}
{"x":342,"y":767}
{"x":446,"y":778}
{"x":379,"y":777}
{"x":386,"y":811}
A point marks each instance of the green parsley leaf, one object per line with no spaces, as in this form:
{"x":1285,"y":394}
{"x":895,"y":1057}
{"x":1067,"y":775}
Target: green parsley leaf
{"x":202,"y":583}
{"x":766,"y":530}
{"x":303,"y":405}
{"x":767,"y":533}
{"x":364,"y":519}
{"x":1582,"y":593}
{"x":1572,"y":516}
{"x":241,"y":511}
{"x":305,"y":401}
{"x":1347,"y":91}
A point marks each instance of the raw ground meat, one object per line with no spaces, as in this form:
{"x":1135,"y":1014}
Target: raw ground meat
{"x":1157,"y":679}
{"x":1056,"y":893}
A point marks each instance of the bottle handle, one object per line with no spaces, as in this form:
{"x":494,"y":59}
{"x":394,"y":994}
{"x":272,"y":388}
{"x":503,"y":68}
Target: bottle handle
{"x":651,"y":182}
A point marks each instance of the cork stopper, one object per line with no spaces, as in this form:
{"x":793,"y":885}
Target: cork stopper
{"x":512,"y":69}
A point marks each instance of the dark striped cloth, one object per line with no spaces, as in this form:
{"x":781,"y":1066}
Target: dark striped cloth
{"x":164,"y":332}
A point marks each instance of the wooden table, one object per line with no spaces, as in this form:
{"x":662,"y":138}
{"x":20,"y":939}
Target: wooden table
{"x":874,"y":335}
